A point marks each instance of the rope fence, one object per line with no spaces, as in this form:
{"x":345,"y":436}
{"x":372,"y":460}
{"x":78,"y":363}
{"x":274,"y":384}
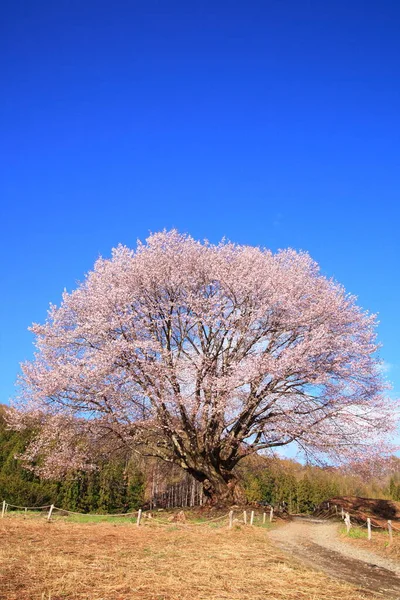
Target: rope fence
{"x":149,"y":516}
{"x":29,"y":507}
{"x":326,"y":512}
{"x":71,"y":512}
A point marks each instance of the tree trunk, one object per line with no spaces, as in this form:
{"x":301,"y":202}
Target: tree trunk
{"x":220,"y":489}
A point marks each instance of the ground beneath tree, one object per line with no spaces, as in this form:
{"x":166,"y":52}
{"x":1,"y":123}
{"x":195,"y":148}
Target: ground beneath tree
{"x":317,"y":544}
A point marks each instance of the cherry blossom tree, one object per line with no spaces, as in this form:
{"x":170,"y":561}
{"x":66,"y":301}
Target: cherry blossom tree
{"x":202,"y":354}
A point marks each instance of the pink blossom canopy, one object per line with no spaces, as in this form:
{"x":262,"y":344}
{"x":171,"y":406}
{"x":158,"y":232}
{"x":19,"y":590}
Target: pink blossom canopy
{"x":202,"y":353}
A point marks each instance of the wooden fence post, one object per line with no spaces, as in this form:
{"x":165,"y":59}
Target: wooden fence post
{"x":271,"y":514}
{"x":252,"y":517}
{"x":3,"y":510}
{"x":264,"y":516}
{"x":390,"y":532}
{"x":342,"y":513}
{"x":369,"y":528}
{"x":230,"y":519}
{"x":139,"y":516}
{"x":50,"y":512}
{"x":245,"y":517}
{"x":348,"y":522}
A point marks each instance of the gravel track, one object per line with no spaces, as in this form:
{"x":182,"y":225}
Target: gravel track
{"x":318,"y":545}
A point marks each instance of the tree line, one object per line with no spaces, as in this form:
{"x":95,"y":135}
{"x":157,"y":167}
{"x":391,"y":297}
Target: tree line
{"x":115,"y":485}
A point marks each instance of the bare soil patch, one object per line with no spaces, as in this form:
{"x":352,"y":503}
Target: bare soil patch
{"x":378,"y":510}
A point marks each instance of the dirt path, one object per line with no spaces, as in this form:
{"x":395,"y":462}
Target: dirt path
{"x":318,"y":545}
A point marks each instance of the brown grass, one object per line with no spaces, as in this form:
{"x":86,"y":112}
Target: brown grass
{"x":59,"y":560}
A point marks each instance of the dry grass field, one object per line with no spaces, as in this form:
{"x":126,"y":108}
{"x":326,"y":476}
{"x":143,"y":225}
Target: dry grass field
{"x":104,"y":561}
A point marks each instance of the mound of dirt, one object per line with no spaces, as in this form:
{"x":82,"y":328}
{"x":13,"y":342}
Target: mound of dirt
{"x":378,"y":510}
{"x":179,"y":517}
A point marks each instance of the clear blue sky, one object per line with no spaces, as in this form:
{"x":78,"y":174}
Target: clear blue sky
{"x":273,"y":123}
